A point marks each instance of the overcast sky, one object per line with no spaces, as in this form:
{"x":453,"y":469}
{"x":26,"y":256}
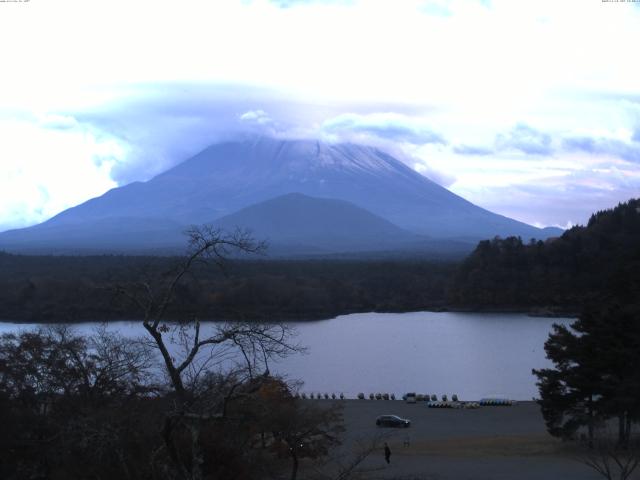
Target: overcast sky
{"x":530,"y":108}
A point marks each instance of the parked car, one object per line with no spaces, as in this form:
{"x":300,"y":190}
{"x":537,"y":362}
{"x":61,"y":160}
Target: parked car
{"x":409,"y":397}
{"x":392,"y":421}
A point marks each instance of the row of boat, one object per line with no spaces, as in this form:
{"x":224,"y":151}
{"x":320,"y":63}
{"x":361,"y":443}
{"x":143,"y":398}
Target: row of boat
{"x":431,"y":400}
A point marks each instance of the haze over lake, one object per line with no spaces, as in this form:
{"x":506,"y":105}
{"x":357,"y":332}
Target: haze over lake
{"x":471,"y":354}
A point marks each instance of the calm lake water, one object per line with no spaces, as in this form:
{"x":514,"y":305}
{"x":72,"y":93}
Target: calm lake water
{"x":471,"y":354}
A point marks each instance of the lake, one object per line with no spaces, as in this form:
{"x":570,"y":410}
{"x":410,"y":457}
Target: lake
{"x":471,"y":354}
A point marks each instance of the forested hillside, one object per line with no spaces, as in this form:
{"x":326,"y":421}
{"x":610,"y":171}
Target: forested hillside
{"x":584,"y":264}
{"x":72,"y":289}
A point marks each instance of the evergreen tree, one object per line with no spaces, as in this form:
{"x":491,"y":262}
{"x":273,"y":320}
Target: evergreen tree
{"x":559,"y":274}
{"x":596,"y":374}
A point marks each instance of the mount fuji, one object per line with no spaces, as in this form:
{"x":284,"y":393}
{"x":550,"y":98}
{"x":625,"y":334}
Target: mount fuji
{"x":225,"y":178}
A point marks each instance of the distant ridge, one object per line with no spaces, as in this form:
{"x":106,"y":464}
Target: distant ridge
{"x":302,"y":224}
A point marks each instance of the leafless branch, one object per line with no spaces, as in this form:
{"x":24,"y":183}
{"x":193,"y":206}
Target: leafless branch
{"x":611,"y":460}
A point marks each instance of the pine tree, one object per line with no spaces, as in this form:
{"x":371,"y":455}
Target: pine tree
{"x":596,"y":374}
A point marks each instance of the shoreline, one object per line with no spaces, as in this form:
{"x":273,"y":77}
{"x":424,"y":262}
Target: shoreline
{"x":542,"y":312}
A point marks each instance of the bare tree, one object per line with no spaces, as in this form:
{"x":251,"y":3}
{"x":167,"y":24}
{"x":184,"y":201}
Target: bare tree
{"x":349,"y":465}
{"x":612,"y":460}
{"x":240,"y":351}
{"x":306,"y":431}
{"x":71,"y":403}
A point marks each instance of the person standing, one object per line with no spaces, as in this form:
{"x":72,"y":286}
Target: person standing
{"x":387,"y":453}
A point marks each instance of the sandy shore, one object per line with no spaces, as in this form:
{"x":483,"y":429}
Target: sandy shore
{"x":487,"y":443}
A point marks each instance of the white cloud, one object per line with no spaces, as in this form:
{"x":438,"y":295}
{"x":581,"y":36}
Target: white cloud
{"x":475,"y":57}
{"x":470,"y":69}
{"x":46,"y":171}
{"x":256,"y":116}
{"x":58,"y":122}
{"x":389,"y":126}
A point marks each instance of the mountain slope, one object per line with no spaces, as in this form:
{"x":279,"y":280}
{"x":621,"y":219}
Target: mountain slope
{"x":227,"y":177}
{"x":102,"y":235}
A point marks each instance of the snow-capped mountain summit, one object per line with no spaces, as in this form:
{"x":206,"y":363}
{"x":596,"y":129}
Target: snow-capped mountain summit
{"x":227,"y":177}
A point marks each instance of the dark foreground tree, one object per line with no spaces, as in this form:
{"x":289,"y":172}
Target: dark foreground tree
{"x":77,"y":407}
{"x":186,"y":401}
{"x":596,"y":375}
{"x":239,"y":352}
{"x":299,"y":429}
{"x":72,"y":406}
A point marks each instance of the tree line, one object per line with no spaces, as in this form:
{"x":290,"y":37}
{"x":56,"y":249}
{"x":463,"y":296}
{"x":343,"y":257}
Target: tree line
{"x":558,"y":275}
{"x":76,"y":288}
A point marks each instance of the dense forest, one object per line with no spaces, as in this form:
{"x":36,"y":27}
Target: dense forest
{"x":559,"y":275}
{"x":72,"y":289}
